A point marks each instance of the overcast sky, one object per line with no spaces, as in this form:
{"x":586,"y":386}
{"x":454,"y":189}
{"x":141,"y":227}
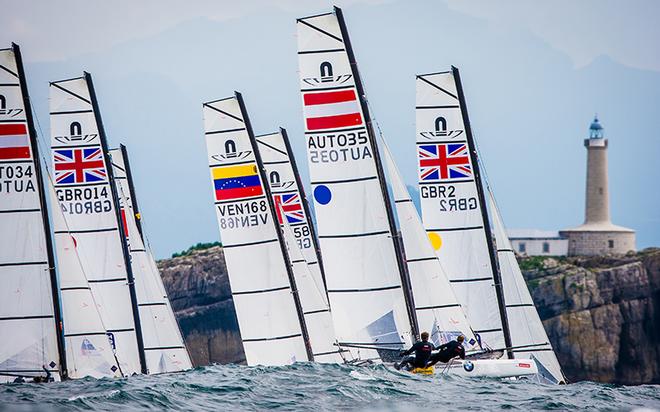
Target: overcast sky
{"x":534,"y":75}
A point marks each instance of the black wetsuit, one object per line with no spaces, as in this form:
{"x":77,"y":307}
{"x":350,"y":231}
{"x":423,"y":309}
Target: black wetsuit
{"x":447,"y":352}
{"x":422,"y":351}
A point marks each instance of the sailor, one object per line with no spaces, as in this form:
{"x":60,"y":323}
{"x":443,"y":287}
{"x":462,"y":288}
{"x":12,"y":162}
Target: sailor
{"x":422,"y":351}
{"x":43,"y":379}
{"x":449,"y":351}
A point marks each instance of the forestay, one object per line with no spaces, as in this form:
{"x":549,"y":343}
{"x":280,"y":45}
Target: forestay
{"x":438,"y":310}
{"x":28,"y":311}
{"x":363,"y":274}
{"x":528,"y":336}
{"x":292,"y":212}
{"x":451,"y":207}
{"x":268,"y":319}
{"x":164,"y":348}
{"x":90,"y":221}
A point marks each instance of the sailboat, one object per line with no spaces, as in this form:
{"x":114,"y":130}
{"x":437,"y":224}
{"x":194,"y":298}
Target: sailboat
{"x":299,"y":233}
{"x":365,"y":274}
{"x":90,"y":235}
{"x":164,"y":347}
{"x":487,"y":281}
{"x":30,"y":317}
{"x":268,"y":308}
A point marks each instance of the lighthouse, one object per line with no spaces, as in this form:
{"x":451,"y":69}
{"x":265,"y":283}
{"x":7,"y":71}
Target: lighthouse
{"x":597,"y":235}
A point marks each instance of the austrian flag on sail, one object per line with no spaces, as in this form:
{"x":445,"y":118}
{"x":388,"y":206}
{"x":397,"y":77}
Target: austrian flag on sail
{"x":331,"y":110}
{"x":14,"y":141}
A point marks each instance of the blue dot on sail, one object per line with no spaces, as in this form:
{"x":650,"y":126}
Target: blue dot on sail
{"x":322,"y":194}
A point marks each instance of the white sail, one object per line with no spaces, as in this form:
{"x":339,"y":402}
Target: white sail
{"x":258,"y":275}
{"x":27,"y":311}
{"x":89,"y":351}
{"x":87,"y":202}
{"x":164,"y":348}
{"x":451,"y":209}
{"x":527,"y":332}
{"x":438,"y":310}
{"x":362,"y":271}
{"x":289,"y":199}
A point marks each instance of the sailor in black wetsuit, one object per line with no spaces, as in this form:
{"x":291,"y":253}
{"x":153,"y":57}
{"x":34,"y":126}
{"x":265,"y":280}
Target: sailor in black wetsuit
{"x":449,"y":351}
{"x":422,"y":351}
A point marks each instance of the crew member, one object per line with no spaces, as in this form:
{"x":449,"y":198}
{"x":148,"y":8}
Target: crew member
{"x":449,"y":351}
{"x":422,"y":351}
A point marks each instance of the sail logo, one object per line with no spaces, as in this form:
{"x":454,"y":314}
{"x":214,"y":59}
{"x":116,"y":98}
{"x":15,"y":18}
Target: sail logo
{"x":441,"y":130}
{"x":276,"y":181}
{"x":331,"y":110}
{"x":14,"y":141}
{"x":327,"y":77}
{"x":4,"y":111}
{"x":76,"y":135}
{"x":79,"y":165}
{"x":289,"y":206}
{"x":231,"y":153}
{"x":444,"y":161}
{"x":236,"y":182}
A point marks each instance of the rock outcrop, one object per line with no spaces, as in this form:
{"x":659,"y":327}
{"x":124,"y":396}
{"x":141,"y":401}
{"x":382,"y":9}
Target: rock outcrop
{"x":602,"y":314}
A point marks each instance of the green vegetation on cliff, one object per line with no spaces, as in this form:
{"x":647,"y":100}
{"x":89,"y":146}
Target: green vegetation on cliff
{"x":199,"y":246}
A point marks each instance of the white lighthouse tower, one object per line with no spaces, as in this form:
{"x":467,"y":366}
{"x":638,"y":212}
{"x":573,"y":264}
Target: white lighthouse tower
{"x":598,"y":236}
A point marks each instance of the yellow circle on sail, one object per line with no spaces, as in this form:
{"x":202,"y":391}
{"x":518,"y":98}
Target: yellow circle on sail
{"x":436,"y":240}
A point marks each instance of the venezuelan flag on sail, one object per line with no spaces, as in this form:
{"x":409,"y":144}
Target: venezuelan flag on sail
{"x":236,"y":182}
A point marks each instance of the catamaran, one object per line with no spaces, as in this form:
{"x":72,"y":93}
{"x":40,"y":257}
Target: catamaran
{"x":164,"y":348}
{"x":30,"y":317}
{"x":295,"y":221}
{"x":268,"y":308}
{"x":456,"y":220}
{"x":366,"y":277}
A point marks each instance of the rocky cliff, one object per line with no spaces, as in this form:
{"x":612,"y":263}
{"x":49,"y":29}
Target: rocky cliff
{"x":602,"y":314}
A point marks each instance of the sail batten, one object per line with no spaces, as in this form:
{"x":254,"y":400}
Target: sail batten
{"x":268,"y":315}
{"x":163,"y":343}
{"x":364,"y":272}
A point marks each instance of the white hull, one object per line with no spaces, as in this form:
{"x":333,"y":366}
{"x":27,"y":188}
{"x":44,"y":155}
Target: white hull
{"x":489,"y":368}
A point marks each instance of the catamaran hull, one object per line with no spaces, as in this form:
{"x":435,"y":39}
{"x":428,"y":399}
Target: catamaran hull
{"x":489,"y":368}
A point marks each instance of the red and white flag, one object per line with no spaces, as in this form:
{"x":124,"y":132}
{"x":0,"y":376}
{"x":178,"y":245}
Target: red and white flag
{"x":332,"y":110}
{"x":14,"y":141}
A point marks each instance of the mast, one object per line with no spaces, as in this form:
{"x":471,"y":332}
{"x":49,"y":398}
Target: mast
{"x":484,"y":214}
{"x":278,"y":230}
{"x":405,"y":281}
{"x":305,"y":205}
{"x":120,"y":223}
{"x":44,"y":212}
{"x":131,"y":189}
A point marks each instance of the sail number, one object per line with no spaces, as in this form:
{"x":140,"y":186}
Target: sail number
{"x":16,"y":179}
{"x":243,"y":214}
{"x":338,"y":147}
{"x":302,"y":235}
{"x":448,"y":202}
{"x":84,"y":200}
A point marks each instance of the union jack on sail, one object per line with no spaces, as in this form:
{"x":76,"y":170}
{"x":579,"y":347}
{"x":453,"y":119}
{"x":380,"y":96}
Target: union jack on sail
{"x":444,"y":161}
{"x":79,"y":165}
{"x":290,"y":205}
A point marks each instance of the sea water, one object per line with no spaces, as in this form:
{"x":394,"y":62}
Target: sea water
{"x":308,"y":386}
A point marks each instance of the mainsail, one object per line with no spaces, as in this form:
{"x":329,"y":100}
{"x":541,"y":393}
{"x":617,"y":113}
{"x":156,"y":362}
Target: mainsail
{"x":88,"y":200}
{"x":528,"y":335}
{"x":294,"y":217}
{"x":438,"y":310}
{"x":164,"y":348}
{"x":365,"y":274}
{"x":30,"y":320}
{"x":453,"y":205}
{"x":271,"y":325}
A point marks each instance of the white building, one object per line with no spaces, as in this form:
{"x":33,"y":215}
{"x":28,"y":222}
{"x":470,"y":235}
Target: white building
{"x":534,"y":242}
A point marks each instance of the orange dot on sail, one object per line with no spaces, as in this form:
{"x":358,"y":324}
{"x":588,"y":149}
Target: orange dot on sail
{"x":436,"y":240}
